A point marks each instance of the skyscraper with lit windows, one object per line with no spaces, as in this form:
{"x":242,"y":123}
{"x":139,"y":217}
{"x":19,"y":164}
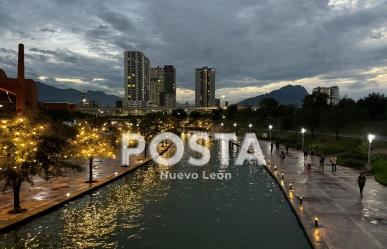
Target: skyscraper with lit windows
{"x":205,"y":87}
{"x":136,"y":79}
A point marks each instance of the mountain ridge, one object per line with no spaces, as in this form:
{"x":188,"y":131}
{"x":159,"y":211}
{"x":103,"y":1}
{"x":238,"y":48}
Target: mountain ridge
{"x":48,"y":93}
{"x":287,"y":95}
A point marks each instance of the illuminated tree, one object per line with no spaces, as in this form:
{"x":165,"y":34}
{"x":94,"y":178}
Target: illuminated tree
{"x":153,"y":123}
{"x":18,"y":147}
{"x":91,"y":143}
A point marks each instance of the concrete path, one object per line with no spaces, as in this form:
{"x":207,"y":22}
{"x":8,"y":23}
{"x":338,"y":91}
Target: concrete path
{"x":45,"y":194}
{"x":346,"y":220}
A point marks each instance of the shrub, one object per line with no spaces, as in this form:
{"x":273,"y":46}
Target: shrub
{"x":379,"y":168}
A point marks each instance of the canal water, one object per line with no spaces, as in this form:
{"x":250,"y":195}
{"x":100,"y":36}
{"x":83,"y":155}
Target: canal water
{"x":143,"y":211}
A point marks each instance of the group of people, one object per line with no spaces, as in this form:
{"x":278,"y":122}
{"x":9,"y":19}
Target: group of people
{"x":361,"y":180}
{"x":332,"y":161}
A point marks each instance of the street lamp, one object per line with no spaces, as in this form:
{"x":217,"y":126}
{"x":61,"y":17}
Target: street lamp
{"x":84,"y":103}
{"x":235,"y":125}
{"x":250,"y":125}
{"x":222,"y":124}
{"x":303,"y":130}
{"x":270,"y":128}
{"x":371,"y":137}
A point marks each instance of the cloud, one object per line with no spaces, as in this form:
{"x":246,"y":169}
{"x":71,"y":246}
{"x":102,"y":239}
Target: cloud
{"x":254,"y":46}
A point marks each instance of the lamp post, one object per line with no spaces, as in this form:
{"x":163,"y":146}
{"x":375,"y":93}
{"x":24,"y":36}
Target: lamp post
{"x":371,"y":137}
{"x":235,"y":125}
{"x":222,"y":124}
{"x":270,"y":127}
{"x":303,"y":130}
{"x":250,"y":125}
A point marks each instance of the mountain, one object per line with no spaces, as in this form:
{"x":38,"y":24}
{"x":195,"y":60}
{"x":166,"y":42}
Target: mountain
{"x":52,"y":94}
{"x":286,"y":95}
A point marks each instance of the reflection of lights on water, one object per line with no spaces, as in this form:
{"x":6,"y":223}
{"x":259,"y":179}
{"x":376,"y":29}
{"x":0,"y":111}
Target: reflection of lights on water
{"x":316,"y":235}
{"x":99,"y":218}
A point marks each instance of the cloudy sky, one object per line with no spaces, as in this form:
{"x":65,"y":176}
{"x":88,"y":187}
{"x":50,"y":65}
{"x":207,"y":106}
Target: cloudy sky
{"x":255,"y":46}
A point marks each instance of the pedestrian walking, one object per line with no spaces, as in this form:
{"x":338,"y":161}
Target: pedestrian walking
{"x":322,"y":160}
{"x":282,"y":155}
{"x":334,"y":163}
{"x":361,"y":181}
{"x":271,"y":147}
{"x":277,"y":146}
{"x":305,"y":154}
{"x":287,"y":149}
{"x":309,"y":167}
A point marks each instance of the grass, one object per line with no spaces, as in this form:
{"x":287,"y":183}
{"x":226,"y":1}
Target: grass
{"x":379,"y":168}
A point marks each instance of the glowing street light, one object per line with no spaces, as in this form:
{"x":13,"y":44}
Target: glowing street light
{"x":222,"y":124}
{"x":315,"y":222}
{"x":303,"y":130}
{"x":270,"y":128}
{"x":235,"y":125}
{"x":250,"y":125}
{"x":371,"y":138}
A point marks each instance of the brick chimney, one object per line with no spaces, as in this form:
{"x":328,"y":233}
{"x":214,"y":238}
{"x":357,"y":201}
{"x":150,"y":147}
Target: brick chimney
{"x":20,"y":63}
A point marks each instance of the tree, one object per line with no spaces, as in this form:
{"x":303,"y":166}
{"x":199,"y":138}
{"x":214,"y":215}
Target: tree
{"x":18,"y":147}
{"x":312,"y":109}
{"x":90,"y":143}
{"x":315,"y":100}
{"x":269,"y":105}
{"x":286,"y":116}
{"x":52,"y":158}
{"x":232,"y":110}
{"x":153,"y":123}
{"x":375,"y":104}
{"x":337,"y":116}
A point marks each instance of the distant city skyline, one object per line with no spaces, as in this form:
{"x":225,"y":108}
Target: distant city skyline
{"x":255,"y":47}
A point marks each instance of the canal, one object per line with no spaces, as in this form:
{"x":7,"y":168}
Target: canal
{"x":141,"y":210}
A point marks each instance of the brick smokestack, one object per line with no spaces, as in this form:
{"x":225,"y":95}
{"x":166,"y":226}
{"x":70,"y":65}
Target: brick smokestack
{"x":20,"y":63}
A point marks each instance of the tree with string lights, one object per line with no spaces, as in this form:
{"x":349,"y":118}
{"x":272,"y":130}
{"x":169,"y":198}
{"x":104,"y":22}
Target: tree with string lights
{"x":91,"y":143}
{"x":18,"y":148}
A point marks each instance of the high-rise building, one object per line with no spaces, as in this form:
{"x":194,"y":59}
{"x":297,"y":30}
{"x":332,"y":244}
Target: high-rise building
{"x":136,"y":79}
{"x":332,"y":92}
{"x":217,"y":102}
{"x":156,"y":86}
{"x":162,"y":88}
{"x":205,"y":87}
{"x":169,"y":86}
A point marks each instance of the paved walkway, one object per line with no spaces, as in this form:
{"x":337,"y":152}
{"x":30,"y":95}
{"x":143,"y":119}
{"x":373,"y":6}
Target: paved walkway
{"x":346,"y":220}
{"x":44,"y":194}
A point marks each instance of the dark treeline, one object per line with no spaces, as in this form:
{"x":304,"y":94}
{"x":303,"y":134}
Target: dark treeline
{"x":314,"y":113}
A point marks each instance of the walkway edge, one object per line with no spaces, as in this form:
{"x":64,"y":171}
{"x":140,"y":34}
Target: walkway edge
{"x":59,"y":202}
